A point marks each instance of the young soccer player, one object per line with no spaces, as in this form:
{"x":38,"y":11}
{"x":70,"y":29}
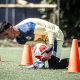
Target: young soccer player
{"x":28,"y":29}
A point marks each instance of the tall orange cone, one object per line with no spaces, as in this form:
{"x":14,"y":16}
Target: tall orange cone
{"x":74,"y":65}
{"x":27,"y":56}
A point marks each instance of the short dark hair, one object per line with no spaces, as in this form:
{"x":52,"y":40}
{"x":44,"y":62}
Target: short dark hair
{"x":4,"y":25}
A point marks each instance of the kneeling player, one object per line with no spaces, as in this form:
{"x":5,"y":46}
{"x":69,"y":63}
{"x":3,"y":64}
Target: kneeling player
{"x":53,"y":61}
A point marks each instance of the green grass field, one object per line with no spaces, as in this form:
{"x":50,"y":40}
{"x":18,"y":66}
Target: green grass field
{"x":10,"y":69}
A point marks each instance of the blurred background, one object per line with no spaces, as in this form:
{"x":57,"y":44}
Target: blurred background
{"x":65,"y":13}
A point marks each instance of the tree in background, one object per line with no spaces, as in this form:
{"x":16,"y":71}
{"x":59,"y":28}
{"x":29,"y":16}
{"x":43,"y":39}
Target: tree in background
{"x":69,"y":18}
{"x":47,"y":13}
{"x":68,"y":15}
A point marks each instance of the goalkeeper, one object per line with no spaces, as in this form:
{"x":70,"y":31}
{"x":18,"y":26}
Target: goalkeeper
{"x":30,"y":28}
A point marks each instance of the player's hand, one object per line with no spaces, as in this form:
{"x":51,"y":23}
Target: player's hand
{"x":46,"y":57}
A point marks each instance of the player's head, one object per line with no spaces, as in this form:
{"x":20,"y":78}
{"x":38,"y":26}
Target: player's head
{"x":6,"y":30}
{"x":4,"y":26}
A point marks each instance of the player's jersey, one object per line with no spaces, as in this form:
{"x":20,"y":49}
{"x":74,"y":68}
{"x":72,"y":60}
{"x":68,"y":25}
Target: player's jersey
{"x":26,"y":32}
{"x":31,"y":26}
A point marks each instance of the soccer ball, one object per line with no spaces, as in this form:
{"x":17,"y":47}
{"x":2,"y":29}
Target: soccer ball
{"x":38,"y":49}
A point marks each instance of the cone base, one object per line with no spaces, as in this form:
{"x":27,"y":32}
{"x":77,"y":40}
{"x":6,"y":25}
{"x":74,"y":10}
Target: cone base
{"x":25,"y":65}
{"x":73,"y":72}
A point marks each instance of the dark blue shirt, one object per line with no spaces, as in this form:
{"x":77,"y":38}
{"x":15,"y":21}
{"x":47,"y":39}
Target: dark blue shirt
{"x":26,"y":32}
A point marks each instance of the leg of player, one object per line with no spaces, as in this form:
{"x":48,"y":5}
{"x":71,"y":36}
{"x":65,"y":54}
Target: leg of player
{"x":53,"y":62}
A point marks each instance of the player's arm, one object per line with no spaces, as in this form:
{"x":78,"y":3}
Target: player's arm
{"x":51,"y":42}
{"x":47,"y":53}
{"x":49,"y":49}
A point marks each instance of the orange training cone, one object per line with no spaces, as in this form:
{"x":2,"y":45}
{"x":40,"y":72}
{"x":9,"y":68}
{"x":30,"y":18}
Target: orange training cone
{"x":79,"y":58}
{"x":74,"y":65}
{"x":27,"y":56}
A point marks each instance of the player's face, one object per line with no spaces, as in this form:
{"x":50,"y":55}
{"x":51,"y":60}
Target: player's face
{"x":9,"y":33}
